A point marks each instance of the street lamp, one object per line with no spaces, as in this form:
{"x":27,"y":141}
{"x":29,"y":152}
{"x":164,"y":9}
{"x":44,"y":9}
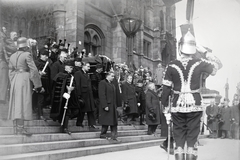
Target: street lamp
{"x":130,"y":25}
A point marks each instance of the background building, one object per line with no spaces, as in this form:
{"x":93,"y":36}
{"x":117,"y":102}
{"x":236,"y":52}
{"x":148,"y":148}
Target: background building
{"x":94,"y":25}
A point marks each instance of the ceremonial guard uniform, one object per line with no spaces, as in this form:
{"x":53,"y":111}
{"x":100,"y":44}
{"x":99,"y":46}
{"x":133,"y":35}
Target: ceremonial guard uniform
{"x":22,"y":71}
{"x":65,"y":82}
{"x":183,"y":78}
{"x":42,"y":98}
{"x":212,"y":120}
{"x":108,"y":107}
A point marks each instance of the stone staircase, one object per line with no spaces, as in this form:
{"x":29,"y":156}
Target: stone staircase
{"x":47,"y":143}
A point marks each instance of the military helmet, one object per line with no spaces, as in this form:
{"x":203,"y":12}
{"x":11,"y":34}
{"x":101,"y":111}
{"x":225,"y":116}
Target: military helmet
{"x":22,"y":42}
{"x":187,"y":44}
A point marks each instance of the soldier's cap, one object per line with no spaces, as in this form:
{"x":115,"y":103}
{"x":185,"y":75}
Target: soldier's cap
{"x":69,"y":62}
{"x":44,"y":52}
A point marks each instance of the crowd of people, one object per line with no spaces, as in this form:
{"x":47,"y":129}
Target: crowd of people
{"x":106,"y":92}
{"x":62,"y":81}
{"x":223,"y":120}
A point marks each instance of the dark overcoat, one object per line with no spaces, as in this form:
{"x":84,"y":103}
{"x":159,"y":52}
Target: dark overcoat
{"x":129,"y":96}
{"x":212,"y":111}
{"x":235,"y":113}
{"x":84,"y":87}
{"x":56,"y":68}
{"x":226,"y":116}
{"x":152,"y":105}
{"x":107,"y":97}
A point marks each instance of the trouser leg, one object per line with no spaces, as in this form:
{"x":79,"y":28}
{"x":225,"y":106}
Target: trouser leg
{"x":40,"y":102}
{"x":179,"y":129}
{"x":91,"y":118}
{"x":80,"y":118}
{"x":114,"y":132}
{"x":104,"y":131}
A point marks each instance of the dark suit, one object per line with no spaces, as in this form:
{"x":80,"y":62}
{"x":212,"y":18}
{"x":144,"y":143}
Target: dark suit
{"x":107,"y":97}
{"x":56,"y":68}
{"x":83,"y":84}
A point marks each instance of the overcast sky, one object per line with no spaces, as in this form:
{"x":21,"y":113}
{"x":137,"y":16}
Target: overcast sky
{"x":217,"y":26}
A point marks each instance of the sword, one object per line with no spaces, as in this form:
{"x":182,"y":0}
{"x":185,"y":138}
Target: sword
{"x":169,"y":127}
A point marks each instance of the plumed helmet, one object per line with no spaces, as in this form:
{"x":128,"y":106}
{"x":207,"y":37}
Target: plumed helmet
{"x":22,"y":42}
{"x":187,"y":44}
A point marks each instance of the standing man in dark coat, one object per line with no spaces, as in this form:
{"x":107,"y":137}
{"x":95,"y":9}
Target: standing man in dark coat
{"x":84,"y":87}
{"x":41,"y":98}
{"x":235,"y":119}
{"x":58,"y":66}
{"x":54,"y":53}
{"x":152,"y":108}
{"x":141,"y":99}
{"x":212,"y":121}
{"x":108,"y":108}
{"x":64,"y":87}
{"x":129,"y":98}
{"x":96,"y":77}
{"x":225,"y":112}
{"x":183,"y":77}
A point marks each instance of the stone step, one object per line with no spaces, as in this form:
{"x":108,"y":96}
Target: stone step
{"x":17,"y":139}
{"x":82,"y":151}
{"x":57,"y":145}
{"x":56,"y":129}
{"x":9,"y":123}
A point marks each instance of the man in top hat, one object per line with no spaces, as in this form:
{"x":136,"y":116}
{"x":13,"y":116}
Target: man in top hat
{"x":183,"y":78}
{"x":44,"y":70}
{"x":64,"y":97}
{"x":22,"y":71}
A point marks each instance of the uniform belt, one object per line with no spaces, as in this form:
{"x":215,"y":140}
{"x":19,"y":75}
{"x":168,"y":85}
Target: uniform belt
{"x":192,"y":91}
{"x":21,"y":70}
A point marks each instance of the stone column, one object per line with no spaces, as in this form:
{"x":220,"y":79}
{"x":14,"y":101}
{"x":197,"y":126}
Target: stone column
{"x":59,"y":16}
{"x":80,"y":24}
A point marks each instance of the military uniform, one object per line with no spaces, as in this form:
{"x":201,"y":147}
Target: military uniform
{"x":182,"y":77}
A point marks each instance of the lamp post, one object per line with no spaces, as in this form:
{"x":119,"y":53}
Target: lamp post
{"x":130,"y":25}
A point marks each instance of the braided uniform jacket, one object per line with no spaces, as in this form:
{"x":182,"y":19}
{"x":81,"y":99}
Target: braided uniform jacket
{"x":182,"y":77}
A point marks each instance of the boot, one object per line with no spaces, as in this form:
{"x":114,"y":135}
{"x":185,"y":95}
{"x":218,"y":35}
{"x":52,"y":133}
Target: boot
{"x":191,"y":153}
{"x":22,"y":131}
{"x":15,"y":127}
{"x":179,"y":153}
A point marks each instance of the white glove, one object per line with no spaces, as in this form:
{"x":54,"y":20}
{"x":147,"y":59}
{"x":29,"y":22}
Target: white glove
{"x":66,"y":95}
{"x":168,"y":117}
{"x":138,"y":104}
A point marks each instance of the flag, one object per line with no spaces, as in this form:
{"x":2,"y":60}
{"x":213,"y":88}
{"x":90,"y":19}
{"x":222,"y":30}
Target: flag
{"x":189,"y":11}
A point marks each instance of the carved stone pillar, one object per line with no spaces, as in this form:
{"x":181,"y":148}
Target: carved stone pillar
{"x":59,"y":16}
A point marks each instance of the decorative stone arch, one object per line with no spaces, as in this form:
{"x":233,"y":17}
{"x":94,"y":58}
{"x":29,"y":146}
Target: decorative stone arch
{"x":94,"y":40}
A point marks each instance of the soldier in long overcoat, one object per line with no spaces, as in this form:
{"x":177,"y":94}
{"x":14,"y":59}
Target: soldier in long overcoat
{"x":212,"y":121}
{"x":108,"y":107}
{"x":152,"y":108}
{"x":22,"y":71}
{"x":129,"y":98}
{"x":84,"y":87}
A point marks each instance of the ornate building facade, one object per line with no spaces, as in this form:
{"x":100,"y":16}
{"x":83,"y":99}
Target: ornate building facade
{"x":94,"y":25}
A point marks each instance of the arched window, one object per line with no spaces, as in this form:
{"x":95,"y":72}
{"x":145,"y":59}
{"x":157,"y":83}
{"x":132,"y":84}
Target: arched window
{"x":94,"y":40}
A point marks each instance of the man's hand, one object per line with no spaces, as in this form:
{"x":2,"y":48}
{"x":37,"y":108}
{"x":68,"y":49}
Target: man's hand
{"x":168,"y":117}
{"x":70,"y":89}
{"x":106,"y":109}
{"x":66,"y":95}
{"x":42,"y":73}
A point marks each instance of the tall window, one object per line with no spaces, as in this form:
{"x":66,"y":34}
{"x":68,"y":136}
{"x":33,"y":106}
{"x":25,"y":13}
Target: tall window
{"x":93,"y":40}
{"x":147,"y":48}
